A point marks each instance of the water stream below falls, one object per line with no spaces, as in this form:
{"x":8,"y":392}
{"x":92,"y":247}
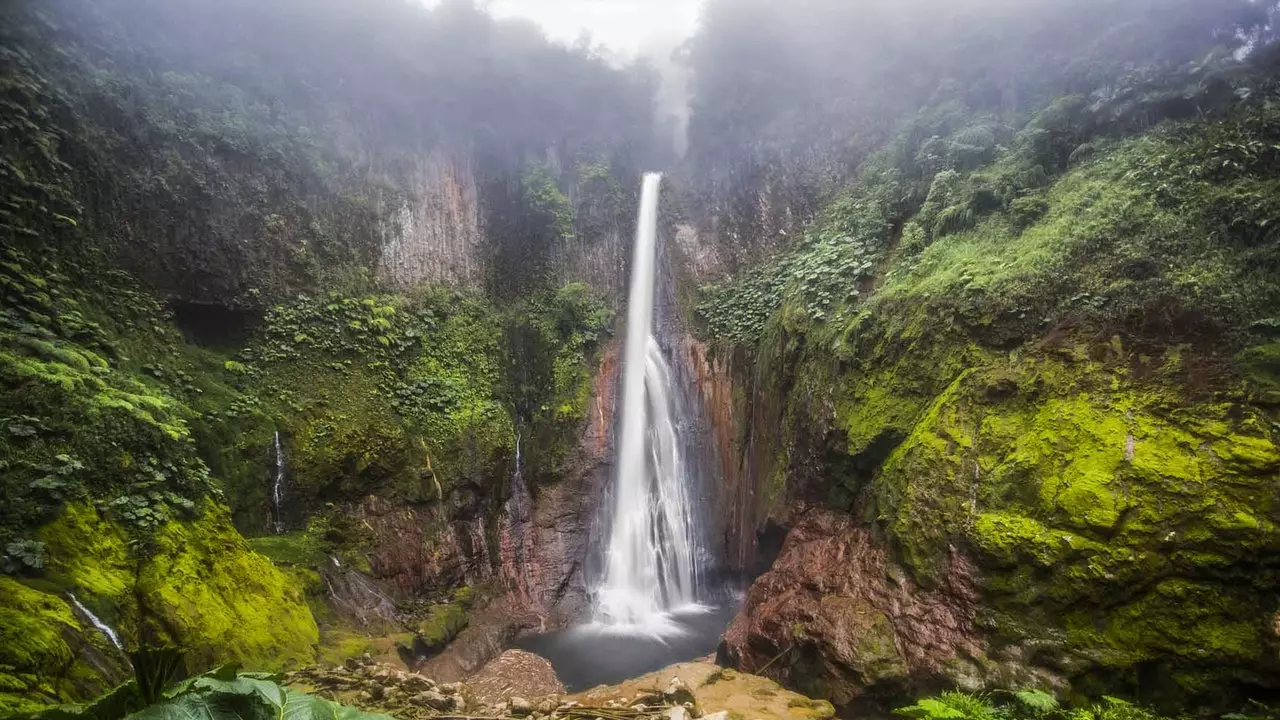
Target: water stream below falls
{"x":653,"y":603}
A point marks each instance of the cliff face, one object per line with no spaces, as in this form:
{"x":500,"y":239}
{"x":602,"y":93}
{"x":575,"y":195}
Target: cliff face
{"x":1015,"y":455}
{"x":435,"y":235}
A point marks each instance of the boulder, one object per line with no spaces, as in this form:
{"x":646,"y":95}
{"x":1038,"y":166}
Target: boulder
{"x":519,"y":706}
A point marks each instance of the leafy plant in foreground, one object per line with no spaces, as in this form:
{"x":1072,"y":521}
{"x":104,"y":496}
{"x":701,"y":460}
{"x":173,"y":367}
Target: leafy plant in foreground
{"x":223,"y":694}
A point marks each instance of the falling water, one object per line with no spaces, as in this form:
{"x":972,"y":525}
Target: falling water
{"x":516,"y":550}
{"x":277,"y":489}
{"x":105,"y":628}
{"x":650,"y":565}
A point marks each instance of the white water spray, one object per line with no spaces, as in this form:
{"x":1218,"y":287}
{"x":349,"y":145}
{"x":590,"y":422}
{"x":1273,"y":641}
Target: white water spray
{"x":650,"y":568}
{"x":103,"y":627}
{"x":277,"y":490}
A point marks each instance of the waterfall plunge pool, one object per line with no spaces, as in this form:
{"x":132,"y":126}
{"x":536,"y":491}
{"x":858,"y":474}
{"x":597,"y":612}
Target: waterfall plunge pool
{"x":594,"y":654}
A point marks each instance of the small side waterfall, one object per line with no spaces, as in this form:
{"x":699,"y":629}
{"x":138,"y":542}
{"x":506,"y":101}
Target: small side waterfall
{"x":516,"y":550}
{"x":104,"y":628}
{"x":277,"y":489}
{"x":652,"y":558}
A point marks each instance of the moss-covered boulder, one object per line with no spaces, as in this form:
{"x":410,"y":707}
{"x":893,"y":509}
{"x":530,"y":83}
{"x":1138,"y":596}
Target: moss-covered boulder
{"x":208,"y":592}
{"x":1114,"y":519}
{"x":49,"y":654}
{"x":194,"y":584}
{"x":442,"y":624}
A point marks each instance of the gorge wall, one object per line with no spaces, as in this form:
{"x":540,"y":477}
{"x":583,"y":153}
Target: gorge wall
{"x":1003,"y":389}
{"x":984,"y":339}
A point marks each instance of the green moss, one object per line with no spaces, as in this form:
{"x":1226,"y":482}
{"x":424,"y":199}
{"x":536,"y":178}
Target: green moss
{"x":338,"y":645}
{"x":46,"y":655}
{"x":464,"y":596}
{"x":1200,"y":623}
{"x":89,"y":556}
{"x":1014,"y":539}
{"x":442,"y":624}
{"x":32,"y":631}
{"x":297,"y":548}
{"x":1261,"y":367}
{"x":207,"y":591}
{"x":1077,"y":486}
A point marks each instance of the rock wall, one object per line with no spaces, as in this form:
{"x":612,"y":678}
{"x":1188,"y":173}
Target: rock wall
{"x":1073,"y":517}
{"x":837,"y":618}
{"x":436,"y":234}
{"x":423,"y":550}
{"x":563,"y":525}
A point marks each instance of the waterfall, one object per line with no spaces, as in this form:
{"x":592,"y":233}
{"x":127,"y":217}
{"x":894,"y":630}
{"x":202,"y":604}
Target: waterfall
{"x":103,"y":627}
{"x":277,"y":489}
{"x":515,"y":551}
{"x":651,"y":560}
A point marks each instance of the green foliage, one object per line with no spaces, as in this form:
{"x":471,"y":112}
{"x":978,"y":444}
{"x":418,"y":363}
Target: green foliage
{"x":85,"y":417}
{"x":1022,"y":705}
{"x":24,"y":556}
{"x":547,"y":205}
{"x":552,"y":340}
{"x":222,"y":694}
{"x":823,"y":275}
{"x":420,"y":394}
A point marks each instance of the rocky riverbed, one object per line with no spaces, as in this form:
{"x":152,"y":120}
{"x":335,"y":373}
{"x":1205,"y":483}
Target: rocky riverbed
{"x":522,"y":685}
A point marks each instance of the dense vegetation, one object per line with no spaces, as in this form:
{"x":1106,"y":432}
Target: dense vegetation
{"x":1032,"y":320}
{"x":195,"y":205}
{"x":994,"y":281}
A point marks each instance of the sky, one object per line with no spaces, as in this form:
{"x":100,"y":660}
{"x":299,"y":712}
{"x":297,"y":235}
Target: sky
{"x":626,"y":26}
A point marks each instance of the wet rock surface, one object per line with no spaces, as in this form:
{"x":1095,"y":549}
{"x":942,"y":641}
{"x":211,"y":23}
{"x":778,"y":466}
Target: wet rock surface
{"x":837,"y":619}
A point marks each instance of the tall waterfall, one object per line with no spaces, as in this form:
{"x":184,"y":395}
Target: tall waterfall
{"x":651,"y":560}
{"x":277,"y":488}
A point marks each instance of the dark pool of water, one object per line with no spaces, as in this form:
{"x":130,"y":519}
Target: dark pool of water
{"x":589,"y":655}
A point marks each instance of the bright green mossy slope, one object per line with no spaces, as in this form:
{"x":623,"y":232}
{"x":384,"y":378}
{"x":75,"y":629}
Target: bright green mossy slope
{"x":194,"y":584}
{"x":1071,"y":380}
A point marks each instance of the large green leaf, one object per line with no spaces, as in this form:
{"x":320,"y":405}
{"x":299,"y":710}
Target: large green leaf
{"x":222,"y":694}
{"x":299,"y":706}
{"x":208,"y":706}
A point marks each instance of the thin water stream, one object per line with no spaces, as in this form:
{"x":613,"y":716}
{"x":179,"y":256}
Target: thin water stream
{"x":104,"y":628}
{"x":277,"y":488}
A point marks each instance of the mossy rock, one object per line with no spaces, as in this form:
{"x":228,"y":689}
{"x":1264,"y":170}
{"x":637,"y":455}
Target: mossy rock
{"x":208,"y":592}
{"x":90,"y":557}
{"x":442,"y":624}
{"x":1113,"y":514}
{"x":47,"y":655}
{"x":196,"y":585}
